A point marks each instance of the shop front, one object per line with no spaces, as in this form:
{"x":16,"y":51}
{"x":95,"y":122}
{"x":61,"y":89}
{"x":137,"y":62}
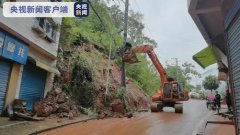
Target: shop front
{"x":12,"y":52}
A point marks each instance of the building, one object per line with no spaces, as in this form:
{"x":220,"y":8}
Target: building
{"x":219,"y":23}
{"x":28,"y":55}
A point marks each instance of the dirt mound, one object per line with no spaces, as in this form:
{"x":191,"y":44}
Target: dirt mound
{"x":107,"y":103}
{"x":136,"y":98}
{"x":56,"y":103}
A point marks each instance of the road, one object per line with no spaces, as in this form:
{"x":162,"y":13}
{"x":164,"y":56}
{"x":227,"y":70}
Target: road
{"x":162,"y":123}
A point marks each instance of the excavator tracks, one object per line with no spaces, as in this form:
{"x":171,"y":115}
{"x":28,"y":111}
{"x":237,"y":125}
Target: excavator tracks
{"x":178,"y":108}
{"x":158,"y":106}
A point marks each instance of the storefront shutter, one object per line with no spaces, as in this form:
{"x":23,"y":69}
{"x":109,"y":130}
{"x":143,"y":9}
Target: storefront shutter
{"x":32,"y":84}
{"x":5,"y":68}
{"x":233,"y":37}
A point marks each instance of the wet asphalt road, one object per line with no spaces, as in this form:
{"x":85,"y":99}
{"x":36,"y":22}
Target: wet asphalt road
{"x":162,"y":123}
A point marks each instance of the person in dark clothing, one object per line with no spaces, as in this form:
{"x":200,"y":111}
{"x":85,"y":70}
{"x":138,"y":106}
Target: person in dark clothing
{"x":218,"y":99}
{"x":127,"y":46}
{"x":228,"y":100}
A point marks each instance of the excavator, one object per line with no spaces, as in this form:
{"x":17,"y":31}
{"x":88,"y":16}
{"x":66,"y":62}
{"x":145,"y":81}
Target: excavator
{"x":171,"y":93}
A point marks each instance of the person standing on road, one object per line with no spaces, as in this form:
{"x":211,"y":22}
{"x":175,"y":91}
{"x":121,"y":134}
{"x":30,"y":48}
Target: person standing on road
{"x":228,"y":100}
{"x":218,"y":99}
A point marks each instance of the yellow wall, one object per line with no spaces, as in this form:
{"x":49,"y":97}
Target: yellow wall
{"x":49,"y":83}
{"x":13,"y":83}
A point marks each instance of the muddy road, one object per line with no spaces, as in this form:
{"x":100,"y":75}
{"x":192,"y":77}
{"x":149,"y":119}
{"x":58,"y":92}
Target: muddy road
{"x":162,"y":123}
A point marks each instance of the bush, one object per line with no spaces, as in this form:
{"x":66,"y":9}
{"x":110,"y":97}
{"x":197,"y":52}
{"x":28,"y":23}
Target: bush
{"x":83,"y":86}
{"x":145,"y":75}
{"x":90,"y":111}
{"x":121,"y":92}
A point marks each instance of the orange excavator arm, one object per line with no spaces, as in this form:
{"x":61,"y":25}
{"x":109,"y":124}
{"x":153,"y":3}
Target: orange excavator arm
{"x":149,"y":50}
{"x":171,"y":95}
{"x":164,"y":97}
{"x":130,"y":57}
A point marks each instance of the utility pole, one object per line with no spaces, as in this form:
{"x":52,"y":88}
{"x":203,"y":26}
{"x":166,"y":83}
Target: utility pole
{"x":176,"y":59}
{"x":123,"y":82}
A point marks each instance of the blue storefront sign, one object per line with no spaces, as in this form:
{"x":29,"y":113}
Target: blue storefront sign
{"x":13,"y":49}
{"x":2,"y":37}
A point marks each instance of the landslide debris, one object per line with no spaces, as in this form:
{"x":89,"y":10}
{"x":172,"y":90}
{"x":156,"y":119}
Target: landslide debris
{"x":81,"y":87}
{"x":57,"y":104}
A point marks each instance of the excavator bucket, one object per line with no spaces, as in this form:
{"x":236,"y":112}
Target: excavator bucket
{"x":130,"y":57}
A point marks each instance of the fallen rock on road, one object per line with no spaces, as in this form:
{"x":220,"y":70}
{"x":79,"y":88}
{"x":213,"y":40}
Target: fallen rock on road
{"x":56,"y":103}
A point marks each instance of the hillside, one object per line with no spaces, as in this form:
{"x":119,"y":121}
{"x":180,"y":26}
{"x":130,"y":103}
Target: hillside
{"x":87,"y":75}
{"x":84,"y":78}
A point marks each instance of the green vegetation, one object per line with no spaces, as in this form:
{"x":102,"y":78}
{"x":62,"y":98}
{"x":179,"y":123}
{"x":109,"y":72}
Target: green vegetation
{"x":135,"y":26}
{"x":79,"y":31}
{"x":90,"y":111}
{"x":198,"y":87}
{"x":90,"y":29}
{"x":172,"y":72}
{"x":211,"y":83}
{"x":145,"y":75}
{"x":121,"y":92}
{"x":83,"y":86}
{"x":185,"y":74}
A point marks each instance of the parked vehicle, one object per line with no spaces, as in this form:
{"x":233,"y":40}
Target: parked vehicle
{"x":194,"y":95}
{"x":211,"y":104}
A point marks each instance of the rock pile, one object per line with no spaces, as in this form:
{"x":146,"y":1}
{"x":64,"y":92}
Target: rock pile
{"x":56,"y":103}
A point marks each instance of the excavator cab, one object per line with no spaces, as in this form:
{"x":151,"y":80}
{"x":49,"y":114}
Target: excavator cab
{"x":173,"y":91}
{"x":169,"y":96}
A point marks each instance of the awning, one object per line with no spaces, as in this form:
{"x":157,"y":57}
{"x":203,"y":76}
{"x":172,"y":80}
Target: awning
{"x":205,"y":57}
{"x":47,"y":67}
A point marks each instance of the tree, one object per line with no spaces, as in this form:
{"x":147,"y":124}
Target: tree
{"x":185,"y":73}
{"x":90,"y":29}
{"x":210,"y":83}
{"x":145,"y":75}
{"x":135,"y":26}
{"x":143,"y":72}
{"x":172,"y":73}
{"x":198,"y":87}
{"x":189,"y":70}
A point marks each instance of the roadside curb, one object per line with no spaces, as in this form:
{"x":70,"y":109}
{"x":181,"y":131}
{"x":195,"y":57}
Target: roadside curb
{"x":59,"y":126}
{"x":200,"y":128}
{"x":14,"y":124}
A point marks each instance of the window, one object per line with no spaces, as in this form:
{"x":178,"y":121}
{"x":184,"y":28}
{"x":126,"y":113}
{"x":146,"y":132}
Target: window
{"x":167,"y":90}
{"x":45,"y":27}
{"x":41,"y":22}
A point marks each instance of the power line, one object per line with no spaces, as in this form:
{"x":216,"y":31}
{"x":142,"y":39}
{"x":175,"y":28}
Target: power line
{"x":103,"y":24}
{"x":110,"y":47}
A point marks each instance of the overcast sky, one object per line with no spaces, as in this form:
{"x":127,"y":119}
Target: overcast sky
{"x":169,"y":23}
